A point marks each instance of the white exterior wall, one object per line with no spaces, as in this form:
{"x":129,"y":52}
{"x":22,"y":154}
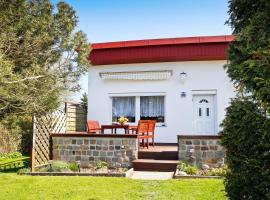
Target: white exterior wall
{"x":203,"y":76}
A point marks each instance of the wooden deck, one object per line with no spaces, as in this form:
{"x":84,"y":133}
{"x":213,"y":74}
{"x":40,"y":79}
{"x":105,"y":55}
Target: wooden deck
{"x":160,"y":147}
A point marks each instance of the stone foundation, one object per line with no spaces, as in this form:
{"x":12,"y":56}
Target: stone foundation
{"x":116,"y":150}
{"x":201,"y":149}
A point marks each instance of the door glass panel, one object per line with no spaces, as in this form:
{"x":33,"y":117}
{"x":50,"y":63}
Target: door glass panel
{"x":207,"y":112}
{"x":200,"y":112}
{"x":203,"y":101}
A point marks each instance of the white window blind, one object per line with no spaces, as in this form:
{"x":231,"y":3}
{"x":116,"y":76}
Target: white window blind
{"x":137,"y":75}
{"x":152,"y":107}
{"x":123,"y":107}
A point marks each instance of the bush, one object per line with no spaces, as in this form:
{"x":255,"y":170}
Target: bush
{"x":75,"y":167}
{"x":24,"y":170}
{"x":217,"y":171}
{"x":246,"y":136}
{"x":192,"y":170}
{"x":101,"y":165}
{"x":16,"y":133}
{"x":181,"y":166}
{"x":57,"y":166}
{"x":10,"y":137}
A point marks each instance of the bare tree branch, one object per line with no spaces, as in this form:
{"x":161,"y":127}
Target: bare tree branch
{"x":25,"y":79}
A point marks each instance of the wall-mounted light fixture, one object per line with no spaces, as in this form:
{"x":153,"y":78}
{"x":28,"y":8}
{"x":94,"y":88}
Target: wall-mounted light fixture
{"x":183,"y":94}
{"x":183,"y":76}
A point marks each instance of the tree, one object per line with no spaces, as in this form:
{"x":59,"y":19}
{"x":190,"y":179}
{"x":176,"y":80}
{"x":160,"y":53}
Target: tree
{"x":246,"y":128}
{"x":41,"y":55}
{"x":246,"y":138}
{"x":249,"y":54}
{"x":84,"y":101}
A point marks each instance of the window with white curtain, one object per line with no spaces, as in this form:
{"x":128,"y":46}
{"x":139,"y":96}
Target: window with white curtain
{"x":152,"y":107}
{"x":123,"y":107}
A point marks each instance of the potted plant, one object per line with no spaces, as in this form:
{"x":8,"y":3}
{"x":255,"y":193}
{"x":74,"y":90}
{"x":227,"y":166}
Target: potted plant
{"x":123,"y":120}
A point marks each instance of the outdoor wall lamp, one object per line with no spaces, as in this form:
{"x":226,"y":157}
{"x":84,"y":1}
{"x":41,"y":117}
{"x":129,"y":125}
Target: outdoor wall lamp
{"x":183,"y":76}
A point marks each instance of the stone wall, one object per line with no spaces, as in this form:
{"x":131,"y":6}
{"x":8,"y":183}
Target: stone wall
{"x":116,"y":150}
{"x":202,"y":149}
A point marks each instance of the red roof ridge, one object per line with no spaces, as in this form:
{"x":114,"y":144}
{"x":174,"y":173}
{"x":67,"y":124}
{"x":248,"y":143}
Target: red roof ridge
{"x":164,"y":41}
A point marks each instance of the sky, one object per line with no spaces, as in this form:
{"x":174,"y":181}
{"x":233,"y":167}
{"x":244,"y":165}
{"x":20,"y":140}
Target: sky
{"x":119,"y":20}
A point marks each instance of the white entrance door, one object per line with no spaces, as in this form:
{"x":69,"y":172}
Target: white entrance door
{"x":204,"y":114}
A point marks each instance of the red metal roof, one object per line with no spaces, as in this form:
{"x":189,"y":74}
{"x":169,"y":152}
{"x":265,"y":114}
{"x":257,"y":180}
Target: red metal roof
{"x":161,"y":50}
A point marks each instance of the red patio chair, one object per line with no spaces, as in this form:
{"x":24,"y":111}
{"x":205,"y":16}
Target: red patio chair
{"x":151,"y":130}
{"x":142,"y":132}
{"x":93,"y":126}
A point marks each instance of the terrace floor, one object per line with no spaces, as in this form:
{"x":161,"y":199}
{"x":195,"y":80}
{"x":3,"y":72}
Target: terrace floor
{"x":159,"y":148}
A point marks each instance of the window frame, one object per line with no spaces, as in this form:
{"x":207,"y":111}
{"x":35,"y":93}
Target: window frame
{"x":123,"y":97}
{"x":158,"y":123}
{"x":138,"y":104}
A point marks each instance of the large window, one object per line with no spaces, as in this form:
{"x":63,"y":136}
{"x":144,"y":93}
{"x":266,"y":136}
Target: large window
{"x":152,"y":107}
{"x":138,"y":107}
{"x":123,"y":107}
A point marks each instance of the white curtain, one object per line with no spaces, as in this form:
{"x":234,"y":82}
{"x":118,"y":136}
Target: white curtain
{"x":123,"y":106}
{"x":152,"y":106}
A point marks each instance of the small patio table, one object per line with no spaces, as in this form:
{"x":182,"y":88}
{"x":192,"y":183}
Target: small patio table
{"x":114,"y":127}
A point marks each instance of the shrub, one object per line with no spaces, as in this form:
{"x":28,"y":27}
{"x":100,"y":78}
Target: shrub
{"x":57,"y":166}
{"x":101,"y":165}
{"x":15,"y":133}
{"x":192,"y":170}
{"x":24,"y":170}
{"x":181,"y":166}
{"x":75,"y":167}
{"x":189,"y":169}
{"x":217,"y":171}
{"x":42,"y":169}
{"x":10,"y":137}
{"x":246,"y":138}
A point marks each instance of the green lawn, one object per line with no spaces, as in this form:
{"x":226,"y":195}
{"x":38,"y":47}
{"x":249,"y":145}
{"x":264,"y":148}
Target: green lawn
{"x":17,"y":187}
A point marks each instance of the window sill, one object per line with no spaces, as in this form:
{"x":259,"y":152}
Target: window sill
{"x":161,"y":125}
{"x":157,"y":125}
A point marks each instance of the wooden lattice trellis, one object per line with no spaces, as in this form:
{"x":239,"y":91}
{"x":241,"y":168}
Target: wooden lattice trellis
{"x":43,"y":126}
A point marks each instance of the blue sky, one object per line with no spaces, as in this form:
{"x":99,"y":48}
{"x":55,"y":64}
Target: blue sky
{"x":117,"y":20}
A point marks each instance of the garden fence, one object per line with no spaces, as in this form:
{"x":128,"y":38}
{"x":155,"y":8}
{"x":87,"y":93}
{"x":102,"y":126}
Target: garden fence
{"x":69,"y":118}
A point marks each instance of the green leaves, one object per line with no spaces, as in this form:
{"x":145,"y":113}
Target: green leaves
{"x":246,"y":138}
{"x":249,"y":55}
{"x":246,"y":134}
{"x":41,"y":55}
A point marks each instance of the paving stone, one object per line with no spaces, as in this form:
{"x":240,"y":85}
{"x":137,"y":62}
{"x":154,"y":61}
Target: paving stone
{"x":196,"y":142}
{"x":93,"y":141}
{"x":103,"y":153}
{"x":80,"y":141}
{"x":147,"y":175}
{"x":188,"y":142}
{"x":73,"y":142}
{"x":92,"y":147}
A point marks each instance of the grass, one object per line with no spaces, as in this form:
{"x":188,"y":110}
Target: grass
{"x":19,"y":187}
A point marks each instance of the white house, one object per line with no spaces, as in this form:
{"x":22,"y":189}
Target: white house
{"x":180,"y":82}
